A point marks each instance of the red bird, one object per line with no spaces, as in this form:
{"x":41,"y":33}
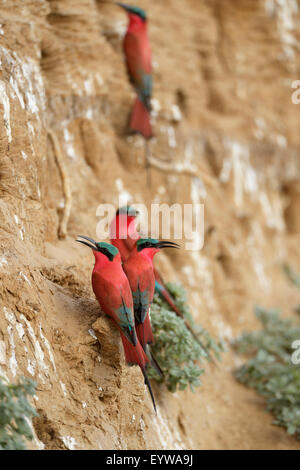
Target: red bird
{"x":137,"y":52}
{"x":122,"y":231}
{"x":123,"y":235}
{"x":112,"y":290}
{"x":139,"y":271}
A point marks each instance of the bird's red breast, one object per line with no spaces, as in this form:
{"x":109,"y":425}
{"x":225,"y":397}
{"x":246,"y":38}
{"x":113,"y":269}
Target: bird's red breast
{"x":110,"y":286}
{"x":123,"y":234}
{"x":137,"y":49}
{"x":139,"y":271}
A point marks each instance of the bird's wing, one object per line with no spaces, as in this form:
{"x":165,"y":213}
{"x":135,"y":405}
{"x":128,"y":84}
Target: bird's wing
{"x":147,"y":281}
{"x":143,"y":296}
{"x":115,"y":299}
{"x":141,"y":304}
{"x":138,"y":59}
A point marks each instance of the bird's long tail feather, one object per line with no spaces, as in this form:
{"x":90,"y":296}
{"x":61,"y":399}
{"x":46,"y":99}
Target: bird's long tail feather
{"x":164,"y":293}
{"x":147,"y":163}
{"x":154,"y":362}
{"x":140,"y":119}
{"x":147,"y":382}
{"x":144,"y":332}
{"x":145,"y":337}
{"x":134,"y":354}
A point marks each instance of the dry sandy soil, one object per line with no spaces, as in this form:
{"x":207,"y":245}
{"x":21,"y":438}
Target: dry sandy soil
{"x":222,"y":108}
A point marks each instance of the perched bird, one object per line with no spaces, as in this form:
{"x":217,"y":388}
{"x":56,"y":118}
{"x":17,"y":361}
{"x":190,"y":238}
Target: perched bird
{"x":137,"y":52}
{"x":124,"y":224}
{"x":112,"y":290}
{"x":122,"y":231}
{"x":123,"y":235}
{"x":139,"y":270}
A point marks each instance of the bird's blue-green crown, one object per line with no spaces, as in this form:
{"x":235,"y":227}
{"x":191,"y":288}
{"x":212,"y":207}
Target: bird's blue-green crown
{"x":135,"y":10}
{"x":127,"y":210}
{"x":107,"y":249}
{"x":146,"y":243}
{"x":153,"y":243}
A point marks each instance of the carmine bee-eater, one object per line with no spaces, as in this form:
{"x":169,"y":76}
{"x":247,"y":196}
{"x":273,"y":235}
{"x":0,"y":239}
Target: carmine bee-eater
{"x":112,"y":290}
{"x":123,"y":235}
{"x":122,"y":231}
{"x":137,"y":52}
{"x":139,"y":271}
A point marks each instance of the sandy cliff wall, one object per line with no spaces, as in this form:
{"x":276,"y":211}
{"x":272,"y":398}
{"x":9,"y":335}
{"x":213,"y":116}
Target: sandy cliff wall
{"x":222,"y":105}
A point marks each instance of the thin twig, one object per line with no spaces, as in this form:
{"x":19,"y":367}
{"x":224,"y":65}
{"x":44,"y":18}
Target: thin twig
{"x":147,"y":162}
{"x":62,"y":230}
{"x":182,"y":169}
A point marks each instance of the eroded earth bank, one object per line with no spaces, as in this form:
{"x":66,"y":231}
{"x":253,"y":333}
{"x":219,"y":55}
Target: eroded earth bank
{"x":222,"y":106}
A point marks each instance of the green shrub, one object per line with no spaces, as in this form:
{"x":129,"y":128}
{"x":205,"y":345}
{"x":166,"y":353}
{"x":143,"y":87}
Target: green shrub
{"x":294,"y":277}
{"x":269,"y":369}
{"x":15,"y":411}
{"x":291,"y":274}
{"x":176,"y":350}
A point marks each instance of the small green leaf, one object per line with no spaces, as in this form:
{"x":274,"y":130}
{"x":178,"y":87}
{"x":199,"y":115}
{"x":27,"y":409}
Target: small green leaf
{"x":15,"y":411}
{"x":269,"y":369}
{"x":176,"y":350}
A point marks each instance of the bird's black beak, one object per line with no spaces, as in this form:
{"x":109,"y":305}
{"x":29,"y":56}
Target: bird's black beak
{"x":89,"y":242}
{"x":167,"y":244}
{"x":123,"y":5}
{"x":134,"y":214}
